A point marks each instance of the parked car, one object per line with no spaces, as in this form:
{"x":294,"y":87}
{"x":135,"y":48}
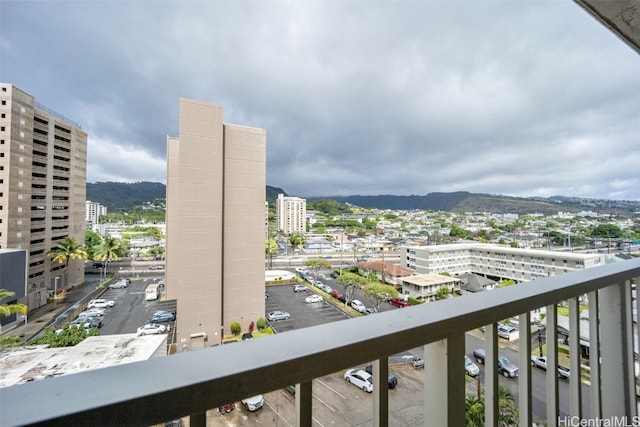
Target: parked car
{"x":359,"y":378}
{"x":505,"y":331}
{"x":418,"y":362}
{"x":100,"y":303}
{"x":392,"y":379}
{"x":299,"y":288}
{"x":92,"y":312}
{"x":479,"y":355}
{"x":88,"y":322}
{"x":253,"y":403}
{"x":151,"y":329}
{"x":358,"y":306}
{"x":163,"y":316}
{"x":470,"y":368}
{"x":225,"y":409}
{"x":399,"y":302}
{"x":156,"y":267}
{"x":247,"y":336}
{"x":541,"y":362}
{"x":291,"y":389}
{"x":313,"y":298}
{"x":507,"y":368}
{"x":278,"y":315}
{"x":120,"y":284}
{"x":337,"y":295}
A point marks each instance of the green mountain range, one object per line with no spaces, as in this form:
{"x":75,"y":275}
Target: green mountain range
{"x":118,"y":196}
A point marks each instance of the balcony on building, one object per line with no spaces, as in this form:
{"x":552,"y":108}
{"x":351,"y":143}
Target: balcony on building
{"x":194,"y":382}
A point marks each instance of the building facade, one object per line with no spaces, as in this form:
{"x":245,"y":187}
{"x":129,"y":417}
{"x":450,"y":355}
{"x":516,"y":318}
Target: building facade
{"x":92,"y":213}
{"x":43,"y":170}
{"x":500,"y":262}
{"x":291,"y":214}
{"x":216,"y":178}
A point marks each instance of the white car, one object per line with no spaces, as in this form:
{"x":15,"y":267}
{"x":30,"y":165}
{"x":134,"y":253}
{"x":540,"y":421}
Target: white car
{"x":120,"y":284}
{"x":156,"y":267}
{"x":92,"y":312}
{"x":470,"y":368}
{"x":100,"y":303}
{"x":151,"y":329}
{"x":299,"y":288}
{"x":313,"y":298}
{"x":359,"y":378}
{"x":253,"y":403}
{"x":358,"y":306}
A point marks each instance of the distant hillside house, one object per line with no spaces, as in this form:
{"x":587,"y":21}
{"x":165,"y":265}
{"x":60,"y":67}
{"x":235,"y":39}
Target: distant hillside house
{"x":387,"y":273}
{"x":425,"y":286}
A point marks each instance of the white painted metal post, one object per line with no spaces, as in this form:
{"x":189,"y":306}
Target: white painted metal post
{"x":614,"y":352}
{"x":594,"y":354}
{"x":491,"y":376}
{"x":575,"y":379}
{"x":524,"y":380}
{"x":553,"y":403}
{"x":303,"y":404}
{"x":444,"y":386}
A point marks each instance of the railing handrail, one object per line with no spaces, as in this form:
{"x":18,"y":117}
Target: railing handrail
{"x":166,"y":388}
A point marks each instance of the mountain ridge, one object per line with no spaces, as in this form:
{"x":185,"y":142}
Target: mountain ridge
{"x":123,"y":196}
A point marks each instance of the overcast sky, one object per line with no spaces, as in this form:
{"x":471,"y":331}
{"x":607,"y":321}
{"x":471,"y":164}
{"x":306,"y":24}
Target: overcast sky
{"x":521,"y":98}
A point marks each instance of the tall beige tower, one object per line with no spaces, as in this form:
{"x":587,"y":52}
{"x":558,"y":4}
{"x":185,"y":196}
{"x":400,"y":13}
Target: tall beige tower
{"x":216,"y":180}
{"x":291,"y":214}
{"x":43,"y":174}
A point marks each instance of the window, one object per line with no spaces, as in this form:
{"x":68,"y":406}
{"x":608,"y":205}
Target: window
{"x":4,"y":102}
{"x":3,"y":116}
{"x":2,"y":128}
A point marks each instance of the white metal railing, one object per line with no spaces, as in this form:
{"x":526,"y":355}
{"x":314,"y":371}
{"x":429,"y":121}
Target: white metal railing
{"x":193,"y":382}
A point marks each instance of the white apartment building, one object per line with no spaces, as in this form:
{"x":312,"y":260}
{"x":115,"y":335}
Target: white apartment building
{"x":43,"y":174}
{"x":498,"y":262}
{"x":291,"y":214}
{"x":92,"y":212}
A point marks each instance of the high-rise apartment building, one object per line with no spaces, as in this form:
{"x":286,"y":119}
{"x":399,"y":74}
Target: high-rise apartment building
{"x":216,"y":178}
{"x":291,"y":214}
{"x":43,"y":173}
{"x":92,"y":213}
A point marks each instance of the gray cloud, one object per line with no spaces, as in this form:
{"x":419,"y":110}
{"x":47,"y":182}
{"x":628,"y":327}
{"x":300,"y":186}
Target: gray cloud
{"x":374,"y":97}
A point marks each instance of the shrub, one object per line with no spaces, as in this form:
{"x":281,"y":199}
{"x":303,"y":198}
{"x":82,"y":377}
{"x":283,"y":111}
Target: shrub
{"x":236,"y":328}
{"x":261,"y":324}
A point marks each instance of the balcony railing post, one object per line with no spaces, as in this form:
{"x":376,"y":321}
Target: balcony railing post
{"x":381,"y":392}
{"x":491,"y":376}
{"x":304,"y":392}
{"x":198,"y":420}
{"x":444,"y":384}
{"x":553,"y":403}
{"x":524,"y":381}
{"x":614,"y":352}
{"x":594,"y":354}
{"x":575,"y":379}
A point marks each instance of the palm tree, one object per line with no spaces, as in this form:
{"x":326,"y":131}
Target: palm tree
{"x":109,"y":249}
{"x":9,"y":309}
{"x":68,"y":249}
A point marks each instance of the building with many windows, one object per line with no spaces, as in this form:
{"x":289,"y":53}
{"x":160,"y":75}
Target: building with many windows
{"x":92,"y":213}
{"x":43,"y":169}
{"x":494,"y":261}
{"x":291,"y":214}
{"x":216,"y":176}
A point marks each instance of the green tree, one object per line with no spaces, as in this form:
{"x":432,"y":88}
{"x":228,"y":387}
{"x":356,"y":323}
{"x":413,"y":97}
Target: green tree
{"x":443,"y":293}
{"x":508,"y":412}
{"x":457,"y":231}
{"x":68,"y":249}
{"x":296,"y":239}
{"x":607,"y":230}
{"x":270,"y":250}
{"x":236,"y":328}
{"x":316,"y":264}
{"x":379,"y":293}
{"x":350,"y":281}
{"x":91,"y":241}
{"x":68,"y":336}
{"x":109,"y":249}
{"x":9,"y":308}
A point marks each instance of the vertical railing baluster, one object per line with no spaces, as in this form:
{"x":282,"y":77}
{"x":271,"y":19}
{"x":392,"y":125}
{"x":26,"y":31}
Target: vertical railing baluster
{"x":381,"y":392}
{"x":594,"y":355}
{"x":524,"y":382}
{"x":198,"y":420}
{"x":444,"y":386}
{"x":553,"y":404}
{"x":575,"y":380}
{"x":303,"y":404}
{"x":629,"y":350}
{"x":613,"y":352}
{"x":491,"y":376}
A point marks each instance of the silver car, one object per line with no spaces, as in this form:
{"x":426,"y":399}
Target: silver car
{"x":278,"y":315}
